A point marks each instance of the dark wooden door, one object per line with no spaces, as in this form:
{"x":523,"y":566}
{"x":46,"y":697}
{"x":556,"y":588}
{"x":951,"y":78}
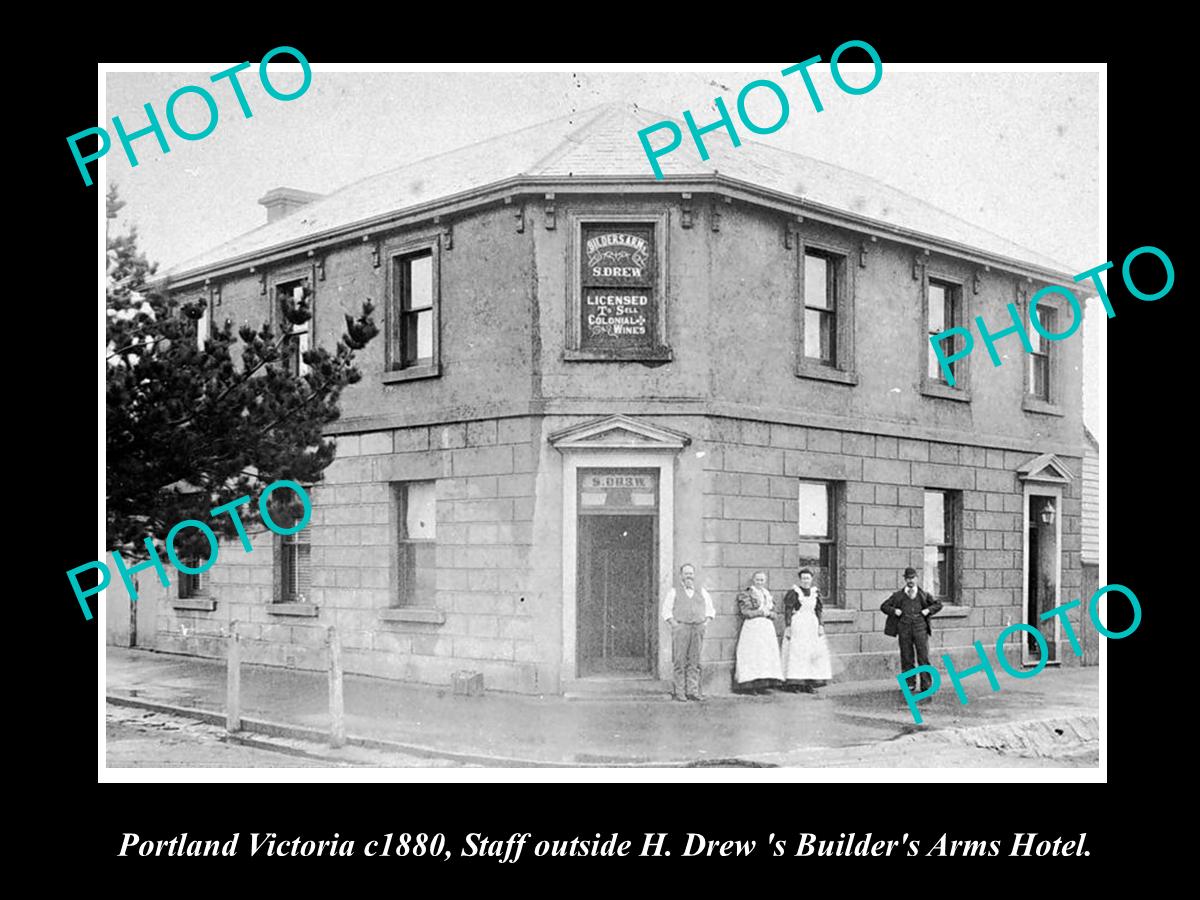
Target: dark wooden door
{"x":616,"y":594}
{"x":1031,"y":614}
{"x":1041,"y":586}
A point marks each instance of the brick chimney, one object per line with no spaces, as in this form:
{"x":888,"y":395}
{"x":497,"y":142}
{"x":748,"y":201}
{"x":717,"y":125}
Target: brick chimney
{"x":282,"y":201}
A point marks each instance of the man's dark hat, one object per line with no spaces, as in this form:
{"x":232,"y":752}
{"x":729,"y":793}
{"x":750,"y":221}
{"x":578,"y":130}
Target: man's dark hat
{"x":910,"y":572}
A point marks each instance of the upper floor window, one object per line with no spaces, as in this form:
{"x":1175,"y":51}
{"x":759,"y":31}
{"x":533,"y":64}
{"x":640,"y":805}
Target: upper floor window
{"x":821,"y":284}
{"x":413,"y":319}
{"x":826,"y":314}
{"x":204,"y":324}
{"x":414,"y":285}
{"x":944,"y":310}
{"x":619,"y":291}
{"x":818,"y":535}
{"x":944,"y":306}
{"x":1038,"y":385}
{"x":300,"y":340}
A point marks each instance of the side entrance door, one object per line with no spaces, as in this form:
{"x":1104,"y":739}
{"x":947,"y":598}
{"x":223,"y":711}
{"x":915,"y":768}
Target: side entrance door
{"x":1043,"y":571}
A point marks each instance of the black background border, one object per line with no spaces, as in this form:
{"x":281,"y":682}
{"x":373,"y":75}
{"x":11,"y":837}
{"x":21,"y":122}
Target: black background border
{"x":1149,"y":97}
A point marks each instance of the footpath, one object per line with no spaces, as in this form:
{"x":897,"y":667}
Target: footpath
{"x":1050,"y":720}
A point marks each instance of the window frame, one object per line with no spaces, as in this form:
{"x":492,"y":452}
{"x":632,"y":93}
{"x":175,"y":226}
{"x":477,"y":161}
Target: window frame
{"x":831,"y":593}
{"x":934,"y":386}
{"x":405,"y":595}
{"x":573,"y":343}
{"x":838,"y":258}
{"x":952,"y":540}
{"x":394,"y":367}
{"x":1041,"y":353}
{"x":283,"y":568}
{"x":192,"y":586}
{"x":204,"y":325}
{"x":279,"y":279}
{"x":1051,"y":404}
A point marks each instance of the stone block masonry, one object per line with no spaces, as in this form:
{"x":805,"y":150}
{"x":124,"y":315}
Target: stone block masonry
{"x":878,"y":527}
{"x":472,"y":610}
{"x":491,"y":601}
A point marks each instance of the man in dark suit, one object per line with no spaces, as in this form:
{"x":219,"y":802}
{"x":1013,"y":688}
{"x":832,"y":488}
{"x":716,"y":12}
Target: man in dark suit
{"x":908,"y":613}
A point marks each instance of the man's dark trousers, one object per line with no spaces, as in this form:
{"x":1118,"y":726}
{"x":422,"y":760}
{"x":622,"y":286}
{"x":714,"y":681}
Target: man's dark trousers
{"x":914,"y":638}
{"x":687,"y":639}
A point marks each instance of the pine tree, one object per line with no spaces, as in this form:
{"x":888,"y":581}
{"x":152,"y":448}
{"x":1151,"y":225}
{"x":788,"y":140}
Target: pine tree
{"x":191,"y":429}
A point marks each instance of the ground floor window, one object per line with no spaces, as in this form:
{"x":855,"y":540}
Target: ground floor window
{"x":940,"y":519}
{"x":818,"y":535}
{"x":295,"y":570}
{"x":416,"y":542}
{"x":191,"y":586}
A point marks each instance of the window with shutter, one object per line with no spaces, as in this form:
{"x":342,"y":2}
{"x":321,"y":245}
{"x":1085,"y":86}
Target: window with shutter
{"x":295,"y":569}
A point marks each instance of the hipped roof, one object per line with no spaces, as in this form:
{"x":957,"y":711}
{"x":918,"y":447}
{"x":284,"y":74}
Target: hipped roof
{"x":602,"y":143}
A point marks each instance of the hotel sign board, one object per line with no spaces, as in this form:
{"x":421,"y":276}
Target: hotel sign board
{"x":619,"y":297}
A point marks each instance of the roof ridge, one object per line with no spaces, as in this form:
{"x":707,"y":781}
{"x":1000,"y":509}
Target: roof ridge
{"x":574,"y":140}
{"x":601,"y":111}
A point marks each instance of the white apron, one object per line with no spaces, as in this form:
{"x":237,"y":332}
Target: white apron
{"x":758,"y":647}
{"x":806,"y":652}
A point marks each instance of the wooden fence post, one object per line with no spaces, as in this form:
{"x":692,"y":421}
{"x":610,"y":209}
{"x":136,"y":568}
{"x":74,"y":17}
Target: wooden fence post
{"x":1088,"y":635}
{"x":233,"y":680}
{"x":337,"y":719}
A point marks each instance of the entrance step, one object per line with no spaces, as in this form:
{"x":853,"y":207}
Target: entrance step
{"x":616,"y":687}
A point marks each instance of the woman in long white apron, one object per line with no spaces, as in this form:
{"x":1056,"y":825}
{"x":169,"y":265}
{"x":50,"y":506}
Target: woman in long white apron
{"x":758,"y":663}
{"x":806,"y":661}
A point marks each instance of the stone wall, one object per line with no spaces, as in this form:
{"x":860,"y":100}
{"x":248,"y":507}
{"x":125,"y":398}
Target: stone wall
{"x":750,"y":523}
{"x":495,"y":605}
{"x":479,"y":615}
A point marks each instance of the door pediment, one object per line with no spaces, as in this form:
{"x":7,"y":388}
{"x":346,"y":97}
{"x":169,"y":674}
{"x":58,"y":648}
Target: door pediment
{"x":1046,"y":468}
{"x":618,"y":433}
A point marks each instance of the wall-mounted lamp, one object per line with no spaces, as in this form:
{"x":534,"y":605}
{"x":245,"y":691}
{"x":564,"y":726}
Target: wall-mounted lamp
{"x":1048,"y":513}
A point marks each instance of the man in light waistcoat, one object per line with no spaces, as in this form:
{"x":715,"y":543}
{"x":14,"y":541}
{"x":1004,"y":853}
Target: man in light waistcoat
{"x":687,"y":611}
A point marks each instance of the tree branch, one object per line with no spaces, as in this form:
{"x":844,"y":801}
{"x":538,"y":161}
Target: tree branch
{"x":242,"y":378}
{"x":123,"y":350}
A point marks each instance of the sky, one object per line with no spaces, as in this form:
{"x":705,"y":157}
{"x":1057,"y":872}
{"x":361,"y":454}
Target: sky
{"x":1014,"y":152}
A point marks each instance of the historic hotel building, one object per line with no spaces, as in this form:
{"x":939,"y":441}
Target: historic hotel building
{"x":587,"y":377}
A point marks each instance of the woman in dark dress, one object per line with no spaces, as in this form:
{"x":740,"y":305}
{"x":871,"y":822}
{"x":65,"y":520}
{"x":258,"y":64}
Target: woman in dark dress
{"x":758,"y":665}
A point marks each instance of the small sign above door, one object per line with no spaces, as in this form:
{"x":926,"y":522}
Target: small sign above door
{"x":616,"y":490}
